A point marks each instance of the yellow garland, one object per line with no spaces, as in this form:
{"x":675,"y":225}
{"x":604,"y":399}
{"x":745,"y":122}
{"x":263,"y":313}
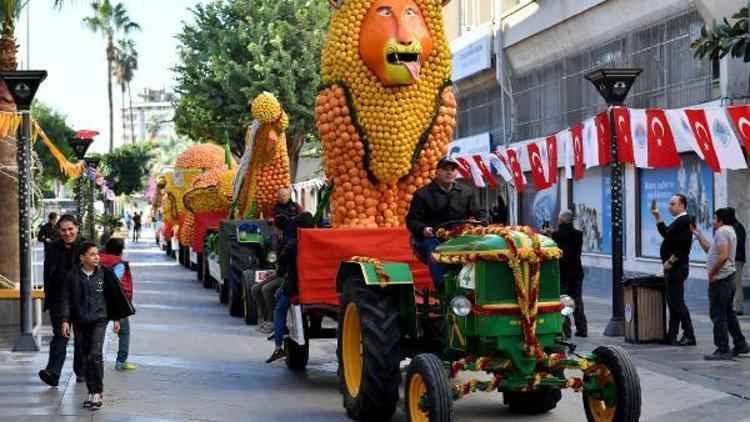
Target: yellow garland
{"x":383,"y":277}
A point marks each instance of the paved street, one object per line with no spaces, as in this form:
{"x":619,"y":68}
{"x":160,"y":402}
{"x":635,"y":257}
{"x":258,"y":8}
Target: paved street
{"x":195,"y":362}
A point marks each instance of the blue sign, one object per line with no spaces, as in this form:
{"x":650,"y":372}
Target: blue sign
{"x":656,"y":186}
{"x":592,"y":200}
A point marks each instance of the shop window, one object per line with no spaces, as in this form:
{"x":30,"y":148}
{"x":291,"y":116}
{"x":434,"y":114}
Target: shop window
{"x":539,"y":206}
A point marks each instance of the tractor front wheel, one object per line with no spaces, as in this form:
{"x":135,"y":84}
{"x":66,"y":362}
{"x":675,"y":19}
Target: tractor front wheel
{"x":368,"y":351}
{"x":427,"y":392}
{"x":251,"y":308}
{"x":618,"y":389}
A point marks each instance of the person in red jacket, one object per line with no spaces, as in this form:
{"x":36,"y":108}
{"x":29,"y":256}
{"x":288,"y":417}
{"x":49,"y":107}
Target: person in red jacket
{"x":112,"y":257}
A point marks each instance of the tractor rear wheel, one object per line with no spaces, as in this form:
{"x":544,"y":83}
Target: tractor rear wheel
{"x":619,"y":395}
{"x":368,"y":351}
{"x":208,"y":280}
{"x":248,"y":301}
{"x":428,"y":392}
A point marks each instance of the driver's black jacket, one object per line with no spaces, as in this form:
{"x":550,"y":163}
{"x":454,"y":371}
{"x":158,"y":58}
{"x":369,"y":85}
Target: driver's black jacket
{"x":432,"y":206}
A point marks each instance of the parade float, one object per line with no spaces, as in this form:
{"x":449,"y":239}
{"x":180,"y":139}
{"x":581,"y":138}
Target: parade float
{"x":190,"y":164}
{"x":385,"y":119}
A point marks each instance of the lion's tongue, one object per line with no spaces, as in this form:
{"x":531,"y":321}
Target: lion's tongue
{"x":414,"y":68}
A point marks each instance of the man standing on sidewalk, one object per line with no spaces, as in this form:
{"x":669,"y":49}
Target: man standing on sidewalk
{"x":739,"y":264}
{"x":720,"y":268}
{"x":570,"y":241}
{"x":675,"y":255}
{"x":48,"y":232}
{"x":59,"y":259}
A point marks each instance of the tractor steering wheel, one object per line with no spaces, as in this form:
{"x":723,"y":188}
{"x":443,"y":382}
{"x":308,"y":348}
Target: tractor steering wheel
{"x":450,"y":224}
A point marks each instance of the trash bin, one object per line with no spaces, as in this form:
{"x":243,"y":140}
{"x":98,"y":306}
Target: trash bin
{"x":645,"y":309}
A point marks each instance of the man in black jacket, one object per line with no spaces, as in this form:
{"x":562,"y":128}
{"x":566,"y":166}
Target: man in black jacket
{"x":570,"y":241}
{"x":59,"y":259}
{"x":439,"y":202}
{"x":675,"y":255}
{"x":48,"y":233}
{"x":91,"y":297}
{"x":739,"y":263}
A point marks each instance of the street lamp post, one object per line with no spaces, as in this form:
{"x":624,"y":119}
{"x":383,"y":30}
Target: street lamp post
{"x":613,"y":85}
{"x":80,"y":143}
{"x":23,"y":86}
{"x":92,"y":162}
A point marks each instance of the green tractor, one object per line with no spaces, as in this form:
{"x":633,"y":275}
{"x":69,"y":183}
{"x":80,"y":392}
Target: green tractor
{"x":498,"y":314}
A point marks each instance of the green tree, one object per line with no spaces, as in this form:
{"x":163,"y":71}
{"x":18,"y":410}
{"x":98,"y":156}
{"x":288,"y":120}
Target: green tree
{"x":237,"y":49}
{"x":110,"y":20}
{"x":127,"y":168}
{"x":166,"y":151}
{"x":126,"y":63}
{"x":725,"y":38}
{"x":54,"y":125}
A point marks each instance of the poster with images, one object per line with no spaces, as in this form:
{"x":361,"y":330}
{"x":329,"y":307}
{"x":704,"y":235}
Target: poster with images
{"x":540,"y":206}
{"x":656,"y":186}
{"x":592,"y":197}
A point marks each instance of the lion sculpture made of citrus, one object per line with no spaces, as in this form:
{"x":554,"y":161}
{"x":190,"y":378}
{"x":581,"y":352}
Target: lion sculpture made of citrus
{"x":388,"y":111}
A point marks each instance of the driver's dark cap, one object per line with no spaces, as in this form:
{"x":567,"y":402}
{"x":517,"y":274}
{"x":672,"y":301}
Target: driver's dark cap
{"x":447,"y":161}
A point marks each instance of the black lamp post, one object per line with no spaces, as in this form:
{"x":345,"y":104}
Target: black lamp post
{"x":80,"y":143}
{"x":92,"y":162}
{"x":613,"y":85}
{"x":23,"y":86}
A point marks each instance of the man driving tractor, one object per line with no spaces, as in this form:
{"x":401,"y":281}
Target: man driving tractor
{"x":437,"y":203}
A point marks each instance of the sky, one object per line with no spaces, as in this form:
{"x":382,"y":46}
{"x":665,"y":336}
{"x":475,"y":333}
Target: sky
{"x":75,"y":60}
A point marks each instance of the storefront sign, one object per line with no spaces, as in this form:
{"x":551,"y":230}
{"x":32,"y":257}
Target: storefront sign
{"x":472,"y":52}
{"x":470,"y":146}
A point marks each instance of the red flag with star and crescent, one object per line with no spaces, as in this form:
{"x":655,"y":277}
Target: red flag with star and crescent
{"x":576,"y":133}
{"x":551,"y":144}
{"x":603,"y":138}
{"x":700,"y":128}
{"x":515,"y":169}
{"x":624,"y":135}
{"x":741,"y":118}
{"x":662,"y":152}
{"x":537,"y":167}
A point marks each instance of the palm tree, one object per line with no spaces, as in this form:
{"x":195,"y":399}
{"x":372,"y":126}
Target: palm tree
{"x":126,"y":63}
{"x":110,"y":20}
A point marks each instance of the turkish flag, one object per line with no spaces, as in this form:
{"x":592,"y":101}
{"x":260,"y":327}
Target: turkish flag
{"x":486,"y":173}
{"x":537,"y":167}
{"x":577,"y":135}
{"x":741,"y":118}
{"x":463,"y":168}
{"x":699,"y":126}
{"x":661,"y":149}
{"x":474,"y":172}
{"x":552,"y":159}
{"x":603,"y":138}
{"x":624,"y":135}
{"x":515,"y":168}
{"x":499,"y":161}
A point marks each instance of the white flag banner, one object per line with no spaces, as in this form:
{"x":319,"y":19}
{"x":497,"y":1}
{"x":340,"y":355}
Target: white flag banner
{"x":726,"y":144}
{"x":500,"y":166}
{"x":684,"y":139}
{"x":565,"y":138}
{"x":639,"y":132}
{"x":590,"y":143}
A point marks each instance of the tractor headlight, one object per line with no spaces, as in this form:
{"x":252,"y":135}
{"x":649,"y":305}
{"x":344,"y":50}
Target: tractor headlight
{"x":569,"y":305}
{"x":461,"y":306}
{"x":271,"y":257}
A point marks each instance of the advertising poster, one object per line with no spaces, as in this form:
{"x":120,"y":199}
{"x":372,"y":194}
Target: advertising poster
{"x":592,"y":197}
{"x":695,"y":180}
{"x":540,"y":206}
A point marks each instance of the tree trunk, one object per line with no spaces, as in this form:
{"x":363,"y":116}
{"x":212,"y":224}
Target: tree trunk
{"x":294,"y":147}
{"x":124,"y":128}
{"x":110,"y":60}
{"x":132,"y":116}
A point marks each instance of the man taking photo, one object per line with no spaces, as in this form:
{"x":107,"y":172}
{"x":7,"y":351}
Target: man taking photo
{"x":675,"y":256}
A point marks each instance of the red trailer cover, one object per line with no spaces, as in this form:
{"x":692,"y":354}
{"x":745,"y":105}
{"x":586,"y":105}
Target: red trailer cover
{"x":321,"y":250}
{"x":205,"y":221}
{"x":167,"y":231}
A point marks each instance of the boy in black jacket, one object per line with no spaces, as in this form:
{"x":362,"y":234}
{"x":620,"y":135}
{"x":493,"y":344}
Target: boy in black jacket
{"x":92,"y":297}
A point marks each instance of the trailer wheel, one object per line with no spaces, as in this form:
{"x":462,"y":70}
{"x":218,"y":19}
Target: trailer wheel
{"x":248,"y":301}
{"x":619,"y":394}
{"x":298,"y":355}
{"x":368,"y":351}
{"x":426,"y":379}
{"x":199,"y":269}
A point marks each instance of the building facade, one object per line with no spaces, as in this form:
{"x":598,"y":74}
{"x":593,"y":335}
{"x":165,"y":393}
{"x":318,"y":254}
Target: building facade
{"x":519,"y":71}
{"x":150,"y":117}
